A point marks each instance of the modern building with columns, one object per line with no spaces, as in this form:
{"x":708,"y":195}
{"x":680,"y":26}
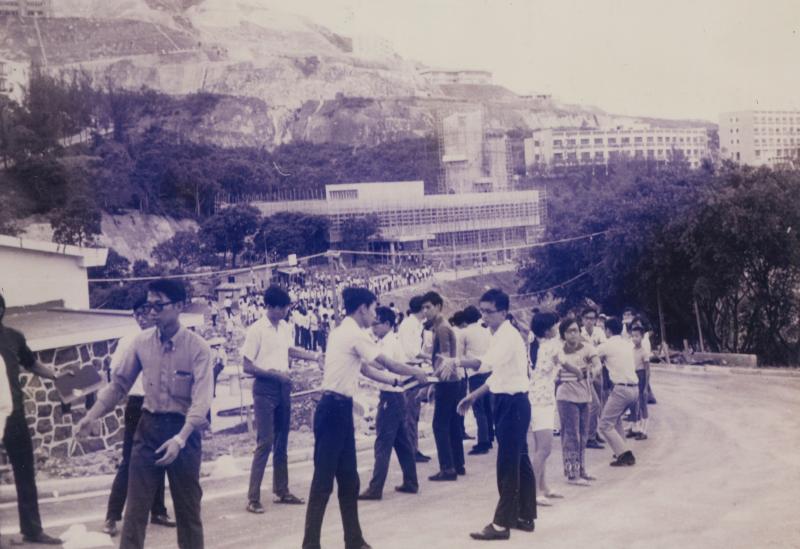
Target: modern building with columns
{"x":463,"y":228}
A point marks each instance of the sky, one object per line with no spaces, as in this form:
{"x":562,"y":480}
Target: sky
{"x":675,"y":59}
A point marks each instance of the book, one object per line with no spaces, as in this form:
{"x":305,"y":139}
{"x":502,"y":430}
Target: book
{"x":70,"y":387}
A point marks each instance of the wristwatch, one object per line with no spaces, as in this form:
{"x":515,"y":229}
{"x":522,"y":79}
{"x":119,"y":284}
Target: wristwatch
{"x":181,"y":442}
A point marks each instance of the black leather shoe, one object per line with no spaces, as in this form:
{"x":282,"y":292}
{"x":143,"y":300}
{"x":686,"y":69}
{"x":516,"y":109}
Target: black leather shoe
{"x":599,"y":439}
{"x":441,"y":475}
{"x":364,"y":545}
{"x":110,"y":528}
{"x":419,"y":457}
{"x":369,"y":496}
{"x":641,"y":436}
{"x":479,"y":449}
{"x":461,"y":471}
{"x":289,"y":499}
{"x":406,"y":489}
{"x":162,"y":520}
{"x":631,"y":434}
{"x":525,"y":525}
{"x":624,"y":459}
{"x":42,"y":539}
{"x":489,"y":533}
{"x":255,"y":507}
{"x":465,"y":436}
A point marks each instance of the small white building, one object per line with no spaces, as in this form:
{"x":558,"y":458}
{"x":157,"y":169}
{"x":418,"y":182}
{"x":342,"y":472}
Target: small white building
{"x":35,"y":271}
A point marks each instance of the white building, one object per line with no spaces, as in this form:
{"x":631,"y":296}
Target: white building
{"x":38,"y":272}
{"x":448,"y":76}
{"x":14,"y":78}
{"x":557,"y":148}
{"x":760,"y":137}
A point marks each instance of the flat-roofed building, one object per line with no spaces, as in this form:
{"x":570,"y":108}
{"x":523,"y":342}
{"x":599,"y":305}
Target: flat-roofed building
{"x":760,"y":137}
{"x":27,"y":8}
{"x":552,"y":148}
{"x":468,"y":227}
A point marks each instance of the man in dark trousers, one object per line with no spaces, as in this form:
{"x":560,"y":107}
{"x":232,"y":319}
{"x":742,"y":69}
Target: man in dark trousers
{"x":133,"y":412}
{"x":350,"y":351}
{"x":391,"y":429}
{"x":265,"y":354}
{"x":450,"y":389}
{"x":16,"y":438}
{"x":507,"y":355}
{"x":176,"y":367}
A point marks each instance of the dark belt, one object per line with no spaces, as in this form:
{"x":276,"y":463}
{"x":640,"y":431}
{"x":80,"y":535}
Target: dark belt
{"x":627,"y":384}
{"x":164,"y":415}
{"x":337,"y":396}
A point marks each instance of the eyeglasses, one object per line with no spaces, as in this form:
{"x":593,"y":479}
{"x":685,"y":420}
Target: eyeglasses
{"x":487,"y":311}
{"x":156,"y":306}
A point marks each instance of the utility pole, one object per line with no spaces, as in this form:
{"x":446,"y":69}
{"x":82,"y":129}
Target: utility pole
{"x":662,"y":326}
{"x":699,"y":328}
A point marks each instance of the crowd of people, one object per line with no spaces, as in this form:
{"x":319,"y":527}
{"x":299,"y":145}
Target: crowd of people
{"x":575,"y":376}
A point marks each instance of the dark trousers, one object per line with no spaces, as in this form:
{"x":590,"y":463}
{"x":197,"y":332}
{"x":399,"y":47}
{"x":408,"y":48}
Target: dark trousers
{"x":391,"y":432}
{"x":19,"y":447}
{"x":144,"y":477}
{"x":482,"y":408}
{"x":515,"y":480}
{"x":447,"y":424}
{"x":272,"y":407}
{"x":640,"y":410}
{"x":119,"y":488}
{"x":334,"y":458}
{"x":412,"y":415}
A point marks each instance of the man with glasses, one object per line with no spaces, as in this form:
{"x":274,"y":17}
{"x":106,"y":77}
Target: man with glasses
{"x":508,"y":358}
{"x":595,"y":336}
{"x":175,"y":365}
{"x":17,"y":442}
{"x":133,"y":412}
{"x":267,"y":348}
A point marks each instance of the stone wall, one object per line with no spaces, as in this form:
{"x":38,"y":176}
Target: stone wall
{"x":49,"y":422}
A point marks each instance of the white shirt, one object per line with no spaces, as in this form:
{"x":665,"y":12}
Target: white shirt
{"x":410,"y":335}
{"x":267,"y":346}
{"x":6,"y":404}
{"x":475,"y":340}
{"x":390,"y":347}
{"x":617,"y":353}
{"x":348,"y":348}
{"x":123,"y":345}
{"x":508,"y":360}
{"x":598,"y":336}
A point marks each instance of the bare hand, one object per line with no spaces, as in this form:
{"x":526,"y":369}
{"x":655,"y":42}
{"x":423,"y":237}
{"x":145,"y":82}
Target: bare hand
{"x":421,"y":377}
{"x":171,"y":450}
{"x":464,"y":405}
{"x":83,"y":428}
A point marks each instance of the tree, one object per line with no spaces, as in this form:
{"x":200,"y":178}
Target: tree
{"x":287,"y":233}
{"x":183,"y":248}
{"x":77,"y":223}
{"x":225,"y":231}
{"x":117,"y":266}
{"x":356,"y":232}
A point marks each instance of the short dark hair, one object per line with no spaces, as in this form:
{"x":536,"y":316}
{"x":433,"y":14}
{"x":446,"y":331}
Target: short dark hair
{"x":415,"y":304}
{"x":138,"y":304}
{"x":588,"y":310}
{"x":542,"y":322}
{"x":433,"y":298}
{"x":457,"y":318}
{"x":496,"y":297}
{"x":356,"y":297}
{"x":637,"y":328}
{"x":275,"y":296}
{"x":385,"y":314}
{"x":173,"y":289}
{"x":565,"y":324}
{"x":630,"y":310}
{"x":614,"y":325}
{"x":471,"y":314}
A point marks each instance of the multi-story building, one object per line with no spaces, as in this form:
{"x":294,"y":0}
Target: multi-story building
{"x":27,"y":8}
{"x":14,"y":76}
{"x":464,"y":228}
{"x":760,"y":137}
{"x":554,"y":148}
{"x":474,"y":158}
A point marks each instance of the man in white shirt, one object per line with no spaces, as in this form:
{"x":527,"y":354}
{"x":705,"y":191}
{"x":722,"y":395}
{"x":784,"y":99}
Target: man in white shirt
{"x":133,"y":412}
{"x":391,"y":430}
{"x":265,"y":354}
{"x":618,"y":355}
{"x":474,"y":340}
{"x":508,"y":357}
{"x":596,"y":337}
{"x":351,"y":351}
{"x":410,"y":335}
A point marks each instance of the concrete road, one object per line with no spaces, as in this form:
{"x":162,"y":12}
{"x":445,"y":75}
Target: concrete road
{"x":720,"y":470}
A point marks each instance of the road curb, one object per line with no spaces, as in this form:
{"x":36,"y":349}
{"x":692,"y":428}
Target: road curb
{"x":55,"y":488}
{"x":730,"y":370}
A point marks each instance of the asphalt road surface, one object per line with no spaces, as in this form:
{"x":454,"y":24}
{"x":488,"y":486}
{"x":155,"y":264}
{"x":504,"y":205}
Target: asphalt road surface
{"x":721,"y":470}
